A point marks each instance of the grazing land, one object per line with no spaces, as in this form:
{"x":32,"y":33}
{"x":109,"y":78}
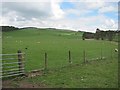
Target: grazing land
{"x":56,"y":43}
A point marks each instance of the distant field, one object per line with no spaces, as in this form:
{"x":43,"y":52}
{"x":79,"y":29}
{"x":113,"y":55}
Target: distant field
{"x":35,"y":42}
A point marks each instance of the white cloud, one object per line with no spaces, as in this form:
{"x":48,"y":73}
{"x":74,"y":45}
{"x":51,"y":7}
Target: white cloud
{"x":28,"y":9}
{"x":108,"y":9}
{"x":95,"y":5}
{"x":110,"y":23}
{"x":83,"y":8}
{"x":56,"y":10}
{"x":50,"y":14}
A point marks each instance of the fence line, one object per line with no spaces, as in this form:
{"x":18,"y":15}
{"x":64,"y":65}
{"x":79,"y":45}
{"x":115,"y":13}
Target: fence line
{"x":69,"y":56}
{"x":9,"y":70}
{"x":45,"y":61}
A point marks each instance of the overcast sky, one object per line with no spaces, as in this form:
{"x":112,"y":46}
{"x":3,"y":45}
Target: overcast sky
{"x":72,"y":14}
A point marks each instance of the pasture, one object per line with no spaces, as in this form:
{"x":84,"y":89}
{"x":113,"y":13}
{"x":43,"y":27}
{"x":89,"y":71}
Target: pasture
{"x":57,"y":43}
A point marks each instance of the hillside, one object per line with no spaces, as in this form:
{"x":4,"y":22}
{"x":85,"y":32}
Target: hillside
{"x":56,"y":43}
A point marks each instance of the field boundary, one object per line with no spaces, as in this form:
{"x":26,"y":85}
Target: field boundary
{"x":19,"y":69}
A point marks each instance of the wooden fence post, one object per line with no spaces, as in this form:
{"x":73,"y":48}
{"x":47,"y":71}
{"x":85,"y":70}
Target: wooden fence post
{"x":20,"y":62}
{"x":45,"y":60}
{"x":84,"y":56}
{"x":69,"y":56}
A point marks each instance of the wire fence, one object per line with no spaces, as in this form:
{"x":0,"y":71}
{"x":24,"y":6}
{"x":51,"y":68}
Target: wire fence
{"x":50,"y":61}
{"x":14,"y":64}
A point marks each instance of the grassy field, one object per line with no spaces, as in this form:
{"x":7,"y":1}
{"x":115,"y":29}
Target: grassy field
{"x":57,"y":43}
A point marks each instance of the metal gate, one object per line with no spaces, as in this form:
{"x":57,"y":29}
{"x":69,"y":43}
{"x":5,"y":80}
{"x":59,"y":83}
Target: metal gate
{"x":12,"y":64}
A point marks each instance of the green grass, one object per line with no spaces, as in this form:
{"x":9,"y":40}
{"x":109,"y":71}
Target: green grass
{"x":57,"y":43}
{"x":97,"y":74}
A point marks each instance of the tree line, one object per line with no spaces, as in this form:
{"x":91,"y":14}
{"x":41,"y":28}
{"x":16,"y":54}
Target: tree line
{"x":98,"y":35}
{"x":101,"y":35}
{"x":9,"y":28}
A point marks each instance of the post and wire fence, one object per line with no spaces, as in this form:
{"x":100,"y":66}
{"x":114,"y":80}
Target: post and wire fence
{"x":86,"y":57}
{"x":14,"y":64}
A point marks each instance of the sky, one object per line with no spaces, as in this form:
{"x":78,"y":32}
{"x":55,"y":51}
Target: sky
{"x":84,"y":15}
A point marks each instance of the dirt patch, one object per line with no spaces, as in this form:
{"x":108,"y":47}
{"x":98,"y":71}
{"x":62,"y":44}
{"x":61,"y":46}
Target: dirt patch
{"x":21,"y":84}
{"x":7,"y":84}
{"x":30,"y":85}
{"x":35,"y":73}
